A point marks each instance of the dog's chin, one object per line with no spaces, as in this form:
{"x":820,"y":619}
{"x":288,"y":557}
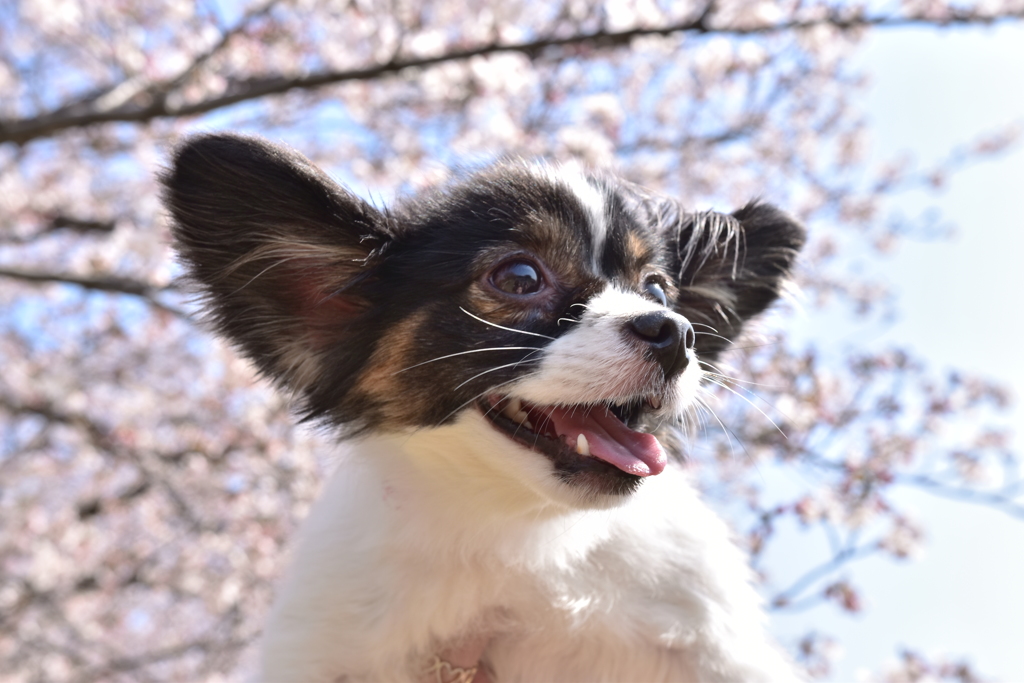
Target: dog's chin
{"x":597,"y":460}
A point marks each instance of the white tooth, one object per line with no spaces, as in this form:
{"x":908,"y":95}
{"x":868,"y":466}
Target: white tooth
{"x":582,"y":446}
{"x":512,"y":408}
{"x":654,"y":401}
{"x":521,"y":417}
{"x":528,"y":424}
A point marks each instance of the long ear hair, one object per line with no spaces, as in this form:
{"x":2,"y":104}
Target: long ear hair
{"x":728,"y":268}
{"x":278,"y":251}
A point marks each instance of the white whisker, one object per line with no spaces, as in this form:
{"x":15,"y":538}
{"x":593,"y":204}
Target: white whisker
{"x":502,"y":327}
{"x":717,"y":370}
{"x":733,"y":391}
{"x":727,"y":378}
{"x":710,"y":365}
{"x":500,"y":367}
{"x":466,"y":403}
{"x":709,"y":334}
{"x":462,"y":353}
{"x":701,"y":415}
{"x":728,"y":432}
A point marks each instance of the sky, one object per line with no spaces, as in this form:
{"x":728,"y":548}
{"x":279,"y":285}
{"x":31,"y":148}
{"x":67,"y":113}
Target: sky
{"x":959,"y":304}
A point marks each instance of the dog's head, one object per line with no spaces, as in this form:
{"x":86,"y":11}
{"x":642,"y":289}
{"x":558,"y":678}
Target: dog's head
{"x":554,"y":317}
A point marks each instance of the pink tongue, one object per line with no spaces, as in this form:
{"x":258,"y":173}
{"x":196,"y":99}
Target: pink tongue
{"x":610,"y":440}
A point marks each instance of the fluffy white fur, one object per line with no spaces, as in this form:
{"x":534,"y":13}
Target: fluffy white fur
{"x":422,"y":539}
{"x":596,"y":362}
{"x":425,"y":538}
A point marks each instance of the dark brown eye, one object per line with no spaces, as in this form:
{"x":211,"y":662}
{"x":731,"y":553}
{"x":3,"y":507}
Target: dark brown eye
{"x":517,"y":277}
{"x":656,"y":292}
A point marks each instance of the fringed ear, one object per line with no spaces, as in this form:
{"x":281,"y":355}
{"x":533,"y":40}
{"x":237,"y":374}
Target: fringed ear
{"x":729,"y":268}
{"x":276,"y":247}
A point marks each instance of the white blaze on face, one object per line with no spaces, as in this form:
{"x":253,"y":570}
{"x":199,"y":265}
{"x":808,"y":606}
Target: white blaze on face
{"x":572,"y":178}
{"x":599,"y":360}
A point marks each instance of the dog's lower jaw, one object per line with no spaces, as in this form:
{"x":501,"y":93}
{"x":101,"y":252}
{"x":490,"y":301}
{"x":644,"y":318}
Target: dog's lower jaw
{"x":470,"y":466}
{"x":419,"y":540}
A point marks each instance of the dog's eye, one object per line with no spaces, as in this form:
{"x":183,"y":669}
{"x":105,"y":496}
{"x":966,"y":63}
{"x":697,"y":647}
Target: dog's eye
{"x":517,"y":277}
{"x":656,"y":292}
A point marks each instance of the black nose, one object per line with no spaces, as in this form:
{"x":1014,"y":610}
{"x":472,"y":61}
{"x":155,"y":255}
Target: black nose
{"x":668,"y":338}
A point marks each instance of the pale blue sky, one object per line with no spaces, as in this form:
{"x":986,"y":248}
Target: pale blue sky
{"x":960,"y":305}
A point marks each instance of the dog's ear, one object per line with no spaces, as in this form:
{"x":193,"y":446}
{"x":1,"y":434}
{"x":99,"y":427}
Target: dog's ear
{"x":276,"y":248}
{"x":728,"y":268}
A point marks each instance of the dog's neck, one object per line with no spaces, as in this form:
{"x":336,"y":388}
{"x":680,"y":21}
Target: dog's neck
{"x":437,"y":479}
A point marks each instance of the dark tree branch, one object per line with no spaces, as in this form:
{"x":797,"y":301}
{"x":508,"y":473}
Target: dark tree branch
{"x":120,"y":94}
{"x":63,"y":222}
{"x":156,"y":101}
{"x":57,"y":223}
{"x":112,"y":284}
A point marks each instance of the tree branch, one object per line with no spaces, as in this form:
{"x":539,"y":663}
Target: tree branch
{"x":790,"y":597}
{"x":113,"y":284}
{"x":119,"y":95}
{"x":158,"y":102}
{"x":1006,"y":499}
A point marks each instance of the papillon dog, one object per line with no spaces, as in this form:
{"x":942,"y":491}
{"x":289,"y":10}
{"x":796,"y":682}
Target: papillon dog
{"x":508,"y":358}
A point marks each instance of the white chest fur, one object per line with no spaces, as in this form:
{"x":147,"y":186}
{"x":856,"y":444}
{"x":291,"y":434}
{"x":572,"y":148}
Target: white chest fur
{"x":414,"y":545}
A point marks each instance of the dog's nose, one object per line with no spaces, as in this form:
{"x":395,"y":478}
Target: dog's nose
{"x":668,"y":337}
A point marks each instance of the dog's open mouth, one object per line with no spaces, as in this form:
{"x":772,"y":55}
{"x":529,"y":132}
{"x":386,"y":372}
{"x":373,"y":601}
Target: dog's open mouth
{"x":586,"y":431}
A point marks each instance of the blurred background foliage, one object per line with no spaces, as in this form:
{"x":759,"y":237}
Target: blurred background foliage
{"x":149,"y":482}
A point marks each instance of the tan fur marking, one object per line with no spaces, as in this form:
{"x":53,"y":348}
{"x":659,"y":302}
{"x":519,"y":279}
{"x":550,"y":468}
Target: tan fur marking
{"x":546,"y":236}
{"x":382,"y":379}
{"x":484,"y":304}
{"x":638,"y":251}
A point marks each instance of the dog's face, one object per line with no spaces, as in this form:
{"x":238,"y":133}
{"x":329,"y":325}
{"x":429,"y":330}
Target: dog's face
{"x":555,"y":318}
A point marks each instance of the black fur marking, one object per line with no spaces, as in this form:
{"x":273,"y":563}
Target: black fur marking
{"x":275,"y":247}
{"x":728,"y":268}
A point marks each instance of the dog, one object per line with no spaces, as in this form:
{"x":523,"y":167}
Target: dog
{"x":508,"y":357}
